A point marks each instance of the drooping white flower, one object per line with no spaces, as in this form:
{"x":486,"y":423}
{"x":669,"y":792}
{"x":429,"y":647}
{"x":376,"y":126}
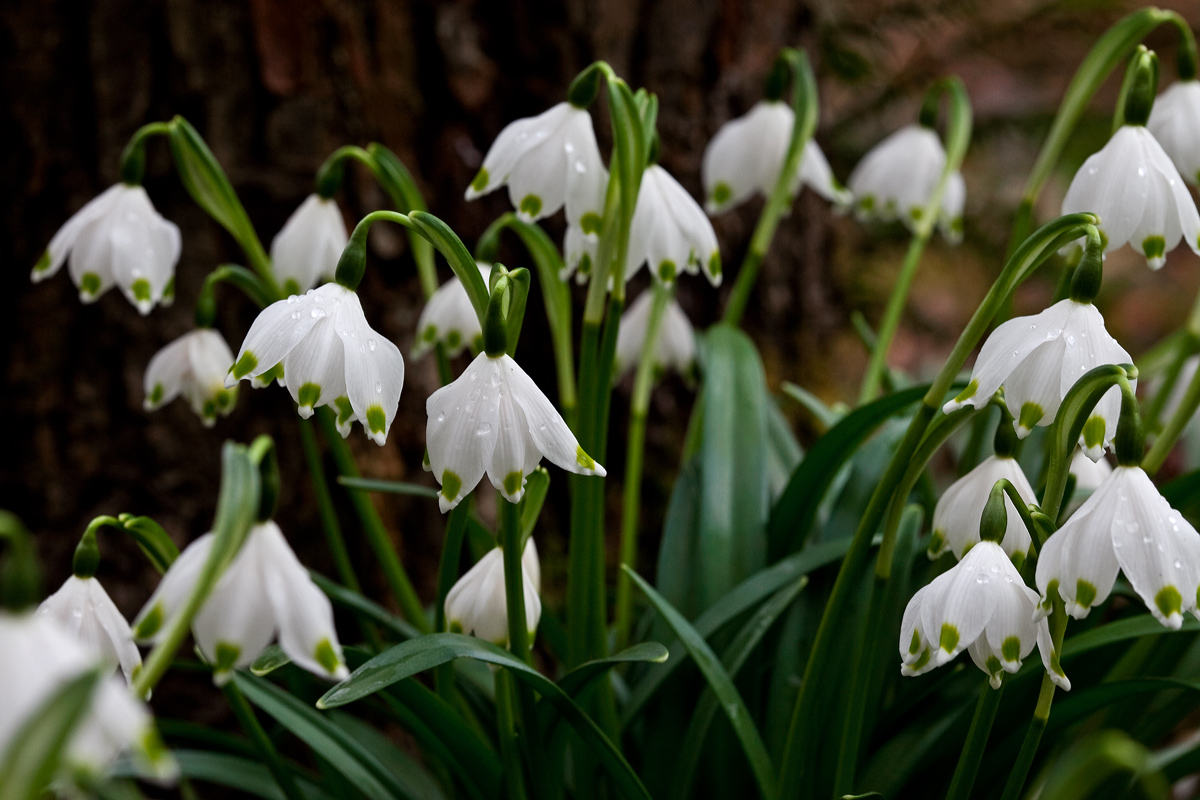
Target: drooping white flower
{"x":1136,"y":191}
{"x":85,"y":611}
{"x":548,"y":161}
{"x":309,"y":244}
{"x":981,"y":605}
{"x":330,"y":357}
{"x":1089,"y":476}
{"x":194,"y":365}
{"x":1126,"y":524}
{"x":579,"y":253}
{"x":747,"y":154}
{"x":265,"y":591}
{"x":956,"y":516}
{"x":1038,"y":359}
{"x":676,"y":345}
{"x":477,"y":604}
{"x":449,"y":317}
{"x":117,"y":239}
{"x":495,"y":419}
{"x":37,"y":659}
{"x":670,"y":232}
{"x":1174,"y":120}
{"x":897,"y":177}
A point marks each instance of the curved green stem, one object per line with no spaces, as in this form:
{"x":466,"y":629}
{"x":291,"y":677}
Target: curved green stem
{"x":20,"y":573}
{"x":262,"y":742}
{"x":133,"y":157}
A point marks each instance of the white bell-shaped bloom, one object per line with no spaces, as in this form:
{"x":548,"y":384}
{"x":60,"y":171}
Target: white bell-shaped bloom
{"x":117,"y":239}
{"x":1136,"y":191}
{"x":670,"y":232}
{"x":548,"y":161}
{"x":676,"y":345}
{"x":897,"y":177}
{"x":1089,"y":476}
{"x":85,"y":611}
{"x":1038,"y":359}
{"x":37,"y":659}
{"x":957,"y":514}
{"x":981,"y":605}
{"x":330,"y":357}
{"x":579,"y":253}
{"x":264,"y":592}
{"x":449,"y":318}
{"x":194,"y":365}
{"x":477,"y":604}
{"x":495,"y":419}
{"x":1174,"y":120}
{"x":747,"y":155}
{"x":1125,"y":525}
{"x":309,"y":245}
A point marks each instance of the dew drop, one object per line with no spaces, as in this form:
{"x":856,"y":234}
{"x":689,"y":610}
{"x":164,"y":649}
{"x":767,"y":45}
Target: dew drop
{"x":1147,"y":539}
{"x":484,"y":429}
{"x":542,"y":428}
{"x":580,"y":167}
{"x":441,"y":417}
{"x":371,"y":344}
{"x":378,"y":387}
{"x":1178,"y":565}
{"x":291,"y":299}
{"x":474,"y":377}
{"x":295,"y":315}
{"x":317,"y":313}
{"x":1070,"y":340}
{"x":981,"y":579}
{"x":1141,"y":172}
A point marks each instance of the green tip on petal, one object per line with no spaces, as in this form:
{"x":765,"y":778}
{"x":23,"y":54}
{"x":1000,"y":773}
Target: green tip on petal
{"x":141,"y":289}
{"x":291,"y":286}
{"x":967,"y":393}
{"x":453,"y":339}
{"x":430,"y":333}
{"x":714,"y":264}
{"x":914,"y":646}
{"x":156,"y":394}
{"x":1085,"y":593}
{"x":666,"y":271}
{"x":591,"y":222}
{"x":512,"y":483}
{"x":480,"y":181}
{"x":226,"y":657}
{"x":245,"y":365}
{"x":345,"y":412}
{"x":326,"y":657}
{"x":583,"y":459}
{"x":531,"y":205}
{"x":89,"y":284}
{"x":1031,"y":413}
{"x":451,"y":485}
{"x":150,"y":624}
{"x":309,"y":395}
{"x":949,"y":638}
{"x":721,"y":193}
{"x":376,"y":419}
{"x":1168,"y":601}
{"x":936,"y":542}
{"x":1093,"y":432}
{"x":1011,"y":649}
{"x":455,"y":626}
{"x":43,"y":263}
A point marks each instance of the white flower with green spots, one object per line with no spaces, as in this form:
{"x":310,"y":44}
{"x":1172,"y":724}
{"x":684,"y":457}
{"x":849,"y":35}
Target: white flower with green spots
{"x":330,"y":357}
{"x":897,"y":177}
{"x":1136,"y":191}
{"x":1089,"y":476}
{"x":956,"y":516}
{"x":676,"y":345}
{"x":263,"y":592}
{"x":1174,"y":120}
{"x":117,"y":239}
{"x":448,"y":317}
{"x":980,"y":605}
{"x":670,"y":232}
{"x":86,"y":612}
{"x":194,"y":366}
{"x":1125,"y":525}
{"x":477,"y":604}
{"x":747,"y":154}
{"x":309,"y":245}
{"x":495,"y":419}
{"x":1037,"y":359}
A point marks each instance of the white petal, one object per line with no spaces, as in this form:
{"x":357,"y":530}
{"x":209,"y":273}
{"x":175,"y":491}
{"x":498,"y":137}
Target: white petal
{"x":279,"y":327}
{"x":165,"y":373}
{"x":236,"y":622}
{"x":1079,"y":556}
{"x":957,"y":514}
{"x":912,"y":637}
{"x":460,"y":435}
{"x":896,"y":178}
{"x":476,"y":603}
{"x":531,"y":565}
{"x":960,"y":602}
{"x":1113,"y":184}
{"x":91,"y":262}
{"x":509,"y":463}
{"x":579,"y":252}
{"x":547,"y":428}
{"x":173,"y":590}
{"x":145,"y":249}
{"x":1174,"y":121}
{"x":816,"y":174}
{"x":586,"y":179}
{"x":746,"y":156}
{"x":374,"y":369}
{"x":514,"y":142}
{"x":309,"y":244}
{"x":316,"y":368}
{"x":1033,"y":391}
{"x":66,"y":237}
{"x":449,"y":317}
{"x":954,"y":197}
{"x":1049,"y":658}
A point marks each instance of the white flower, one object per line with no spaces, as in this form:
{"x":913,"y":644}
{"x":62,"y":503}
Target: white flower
{"x":117,"y":238}
{"x":548,"y":161}
{"x":449,"y":317}
{"x":981,"y":605}
{"x":1174,"y":120}
{"x":670,"y":231}
{"x":495,"y":419}
{"x":309,"y":245}
{"x":1038,"y":359}
{"x":579,"y":253}
{"x":897,"y":177}
{"x":676,"y":345}
{"x":85,"y":611}
{"x":747,"y":154}
{"x":1126,"y":524}
{"x":1089,"y":476}
{"x":37,"y":659}
{"x":1136,"y":191}
{"x":330,"y":356}
{"x":265,"y":590}
{"x":194,"y":365}
{"x":957,"y":514}
{"x":477,"y":604}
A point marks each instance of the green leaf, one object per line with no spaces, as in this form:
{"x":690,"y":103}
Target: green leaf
{"x":1101,"y":763}
{"x":674,"y":573}
{"x":402,"y":766}
{"x":457,"y":256}
{"x":783,"y":451}
{"x":270,"y":660}
{"x":387,"y":487}
{"x":153,"y":540}
{"x":349,"y":599}
{"x":234,"y":772}
{"x":1120,"y":631}
{"x":577,"y":679}
{"x":720,"y":683}
{"x":1083,"y":703}
{"x":37,"y":747}
{"x":536,"y":487}
{"x":825,"y":416}
{"x":412,"y":657}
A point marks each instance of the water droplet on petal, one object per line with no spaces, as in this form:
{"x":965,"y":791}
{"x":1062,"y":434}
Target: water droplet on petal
{"x":291,"y":299}
{"x":378,"y":387}
{"x":317,"y":313}
{"x":1178,"y":565}
{"x":483,"y":430}
{"x":441,"y":417}
{"x":371,"y":344}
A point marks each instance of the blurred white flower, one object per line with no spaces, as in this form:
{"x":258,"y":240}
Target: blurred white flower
{"x":448,"y":317}
{"x":670,"y":232}
{"x":1174,"y":120}
{"x":84,"y":610}
{"x":676,"y":345}
{"x":309,"y":245}
{"x":958,"y":511}
{"x":477,"y":604}
{"x":194,"y":365}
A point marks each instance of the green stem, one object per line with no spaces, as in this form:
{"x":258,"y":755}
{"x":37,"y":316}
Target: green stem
{"x":977,"y":736}
{"x":891,"y":317}
{"x":514,"y":581}
{"x":328,"y":514}
{"x":1174,"y":427}
{"x":262,"y":742}
{"x":510,"y":750}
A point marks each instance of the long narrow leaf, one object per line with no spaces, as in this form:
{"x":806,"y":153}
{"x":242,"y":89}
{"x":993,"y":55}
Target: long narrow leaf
{"x":35,"y":751}
{"x":388,"y":487}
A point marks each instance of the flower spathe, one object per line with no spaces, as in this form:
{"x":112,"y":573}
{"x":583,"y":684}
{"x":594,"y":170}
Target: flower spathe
{"x":495,"y":419}
{"x":477,"y":604}
{"x":309,"y":244}
{"x":117,"y":239}
{"x":265,"y":591}
{"x":448,"y":317}
{"x":670,"y":232}
{"x":747,"y":155}
{"x":1136,"y":191}
{"x":1038,"y":359}
{"x":896,"y":178}
{"x":330,"y":357}
{"x":37,"y":659}
{"x":958,"y":511}
{"x":85,"y":611}
{"x":980,"y":605}
{"x":194,"y":366}
{"x":676,"y":345}
{"x":1125,"y":525}
{"x":1174,"y":120}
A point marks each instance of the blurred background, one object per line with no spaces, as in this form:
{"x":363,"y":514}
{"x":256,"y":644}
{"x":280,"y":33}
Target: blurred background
{"x":276,"y":85}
